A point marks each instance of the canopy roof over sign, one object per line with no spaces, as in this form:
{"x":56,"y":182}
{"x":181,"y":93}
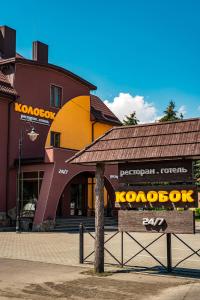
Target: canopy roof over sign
{"x":155,"y":141}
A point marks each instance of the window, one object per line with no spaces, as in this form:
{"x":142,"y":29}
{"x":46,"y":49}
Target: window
{"x":55,"y":139}
{"x":30,"y":184}
{"x":56,"y":96}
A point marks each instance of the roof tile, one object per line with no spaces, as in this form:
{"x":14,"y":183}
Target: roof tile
{"x":179,"y":139}
{"x":100,"y":112}
{"x":5,"y":86}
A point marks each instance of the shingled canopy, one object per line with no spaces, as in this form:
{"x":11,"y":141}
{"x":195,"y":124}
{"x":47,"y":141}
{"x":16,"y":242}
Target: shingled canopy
{"x":155,"y":141}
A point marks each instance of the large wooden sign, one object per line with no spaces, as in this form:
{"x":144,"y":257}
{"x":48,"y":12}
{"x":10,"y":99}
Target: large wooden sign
{"x":158,"y":171}
{"x":151,"y":196}
{"x":156,"y":221}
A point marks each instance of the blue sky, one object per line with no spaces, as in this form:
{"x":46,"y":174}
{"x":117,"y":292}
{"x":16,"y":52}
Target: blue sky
{"x":149,"y":49}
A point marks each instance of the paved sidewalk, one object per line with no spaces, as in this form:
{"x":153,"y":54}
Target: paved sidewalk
{"x":63,"y":248}
{"x":37,"y":281}
{"x":52,"y":248}
{"x":45,"y":266}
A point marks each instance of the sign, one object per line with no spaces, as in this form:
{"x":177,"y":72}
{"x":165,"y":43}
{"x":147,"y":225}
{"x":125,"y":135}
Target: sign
{"x":38,"y":114}
{"x":172,"y":171}
{"x":31,"y":119}
{"x":180,"y":196}
{"x":156,"y":221}
{"x":113,"y":176}
{"x":63,"y":171}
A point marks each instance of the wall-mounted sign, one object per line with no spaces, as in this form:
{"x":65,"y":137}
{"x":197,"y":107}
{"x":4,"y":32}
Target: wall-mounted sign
{"x":113,"y":176}
{"x":156,"y":221}
{"x":176,"y":171}
{"x":31,"y":119}
{"x":63,"y":171}
{"x":34,"y":114}
{"x":183,"y":196}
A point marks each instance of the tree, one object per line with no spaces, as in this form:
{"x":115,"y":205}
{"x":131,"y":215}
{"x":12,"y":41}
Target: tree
{"x":170,"y":114}
{"x":131,"y":120}
{"x":197,"y":171}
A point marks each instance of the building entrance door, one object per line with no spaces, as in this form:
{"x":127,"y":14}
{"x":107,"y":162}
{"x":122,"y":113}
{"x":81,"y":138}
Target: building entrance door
{"x":77,"y":200}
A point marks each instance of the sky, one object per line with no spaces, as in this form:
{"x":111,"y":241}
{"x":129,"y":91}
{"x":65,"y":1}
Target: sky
{"x":139,"y":53}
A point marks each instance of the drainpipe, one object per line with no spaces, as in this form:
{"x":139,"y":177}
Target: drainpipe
{"x":8,"y":156}
{"x":93,"y":123}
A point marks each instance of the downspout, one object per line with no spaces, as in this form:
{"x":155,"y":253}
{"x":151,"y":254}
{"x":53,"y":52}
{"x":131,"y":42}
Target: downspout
{"x":8,"y":156}
{"x":93,"y":123}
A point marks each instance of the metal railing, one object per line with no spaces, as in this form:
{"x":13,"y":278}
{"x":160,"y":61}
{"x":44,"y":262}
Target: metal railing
{"x":122,"y":262}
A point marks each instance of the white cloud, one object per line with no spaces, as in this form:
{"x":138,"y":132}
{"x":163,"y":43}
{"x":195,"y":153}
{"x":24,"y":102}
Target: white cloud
{"x":125,"y":104}
{"x":182,"y":110}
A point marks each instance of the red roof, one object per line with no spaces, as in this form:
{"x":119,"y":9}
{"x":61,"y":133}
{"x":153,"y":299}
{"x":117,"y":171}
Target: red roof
{"x":100,"y":112}
{"x":20,"y":59}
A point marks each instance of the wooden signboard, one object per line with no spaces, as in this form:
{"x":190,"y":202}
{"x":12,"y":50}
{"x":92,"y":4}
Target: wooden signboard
{"x":158,"y":171}
{"x":156,"y":221}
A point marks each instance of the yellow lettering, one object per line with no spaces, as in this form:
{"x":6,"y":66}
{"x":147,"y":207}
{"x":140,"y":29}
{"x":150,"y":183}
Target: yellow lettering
{"x":42,"y":113}
{"x":186,"y":196}
{"x":174,"y":196}
{"x":47,"y":114}
{"x":131,"y":196}
{"x":141,"y":197}
{"x":36,"y":111}
{"x":152,"y":196}
{"x":52,"y":115}
{"x":163,"y":196}
{"x":120,"y":196}
{"x":18,"y":107}
{"x":24,"y":109}
{"x":30,"y":110}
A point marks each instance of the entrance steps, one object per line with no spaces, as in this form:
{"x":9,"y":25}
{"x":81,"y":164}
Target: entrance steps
{"x":71,"y":224}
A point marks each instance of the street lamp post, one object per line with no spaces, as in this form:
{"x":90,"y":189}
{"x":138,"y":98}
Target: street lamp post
{"x":32,"y":136}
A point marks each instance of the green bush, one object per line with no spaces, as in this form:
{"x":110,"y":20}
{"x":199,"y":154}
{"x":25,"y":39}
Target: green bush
{"x":197,"y":212}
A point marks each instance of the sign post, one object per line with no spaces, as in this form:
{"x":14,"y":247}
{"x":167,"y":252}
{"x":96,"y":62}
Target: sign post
{"x":169,"y":252}
{"x":99,"y":219}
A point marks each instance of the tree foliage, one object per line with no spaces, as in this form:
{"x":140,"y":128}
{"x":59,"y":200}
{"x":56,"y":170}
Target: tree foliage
{"x":197,"y":171}
{"x":170,"y":114}
{"x":131,"y":119}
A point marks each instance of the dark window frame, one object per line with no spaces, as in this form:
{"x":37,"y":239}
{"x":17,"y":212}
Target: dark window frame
{"x":53,"y":100}
{"x":53,"y":136}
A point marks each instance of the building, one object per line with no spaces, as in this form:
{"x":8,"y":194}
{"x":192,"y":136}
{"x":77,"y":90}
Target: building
{"x":59,"y":106}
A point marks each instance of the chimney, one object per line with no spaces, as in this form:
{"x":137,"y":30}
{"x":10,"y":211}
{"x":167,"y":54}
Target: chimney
{"x":7,"y":42}
{"x":40,"y":52}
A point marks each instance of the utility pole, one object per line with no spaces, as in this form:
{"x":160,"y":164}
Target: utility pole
{"x":99,"y":219}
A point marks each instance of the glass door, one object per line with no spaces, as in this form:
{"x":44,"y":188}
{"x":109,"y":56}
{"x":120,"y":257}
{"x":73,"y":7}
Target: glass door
{"x":77,"y":207}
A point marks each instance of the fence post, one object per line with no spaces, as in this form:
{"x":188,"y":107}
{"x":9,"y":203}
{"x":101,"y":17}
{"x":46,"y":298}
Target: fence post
{"x":81,"y":244}
{"x":169,"y":252}
{"x":122,"y":249}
